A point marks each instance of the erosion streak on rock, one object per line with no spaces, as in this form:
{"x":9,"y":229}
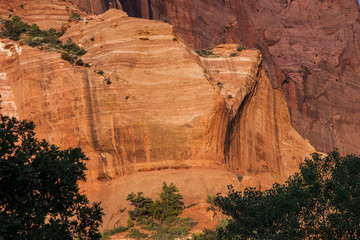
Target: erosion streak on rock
{"x":149,"y":103}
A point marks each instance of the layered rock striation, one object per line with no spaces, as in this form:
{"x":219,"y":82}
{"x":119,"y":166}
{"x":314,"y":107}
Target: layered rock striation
{"x":149,"y":103}
{"x":309,"y":49}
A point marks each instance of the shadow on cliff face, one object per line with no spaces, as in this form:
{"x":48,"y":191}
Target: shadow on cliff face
{"x":138,"y":8}
{"x":292,"y":36}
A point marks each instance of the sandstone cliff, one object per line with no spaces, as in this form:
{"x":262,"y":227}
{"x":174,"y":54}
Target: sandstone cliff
{"x":157,"y":106}
{"x":310,"y":50}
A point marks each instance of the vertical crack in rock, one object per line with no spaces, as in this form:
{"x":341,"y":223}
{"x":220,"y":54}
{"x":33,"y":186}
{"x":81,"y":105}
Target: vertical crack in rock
{"x":232,"y":122}
{"x":91,"y":99}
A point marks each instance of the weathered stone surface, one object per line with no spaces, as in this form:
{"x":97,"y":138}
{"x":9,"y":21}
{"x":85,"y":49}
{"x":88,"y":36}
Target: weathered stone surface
{"x":157,"y":106}
{"x":310,"y":50}
{"x":97,"y":6}
{"x":46,"y":14}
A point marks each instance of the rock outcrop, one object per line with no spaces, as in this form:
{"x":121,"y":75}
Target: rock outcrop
{"x":310,"y":50}
{"x":97,"y":6}
{"x":149,"y":103}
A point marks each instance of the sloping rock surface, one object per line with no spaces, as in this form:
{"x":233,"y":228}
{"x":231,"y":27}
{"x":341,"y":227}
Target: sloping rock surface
{"x":310,"y":50}
{"x":157,"y":106}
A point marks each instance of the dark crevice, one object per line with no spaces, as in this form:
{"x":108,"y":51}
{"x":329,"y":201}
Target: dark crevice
{"x":151,"y":14}
{"x":132,"y":7}
{"x":232,"y":122}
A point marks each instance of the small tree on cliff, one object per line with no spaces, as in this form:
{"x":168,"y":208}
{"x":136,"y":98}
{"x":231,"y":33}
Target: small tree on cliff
{"x":321,"y":202}
{"x":39,"y":194}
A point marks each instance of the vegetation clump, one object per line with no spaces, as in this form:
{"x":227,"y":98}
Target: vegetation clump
{"x":320,"y":202}
{"x":100,"y":72}
{"x":108,"y":233}
{"x":39,"y":192}
{"x":160,"y":217}
{"x":136,"y":234}
{"x":33,"y":36}
{"x":234,"y":54}
{"x":206,"y":53}
{"x":241,"y":47}
{"x":75,"y":16}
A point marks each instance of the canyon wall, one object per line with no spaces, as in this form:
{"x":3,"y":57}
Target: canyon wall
{"x":309,"y":49}
{"x":158,"y":112}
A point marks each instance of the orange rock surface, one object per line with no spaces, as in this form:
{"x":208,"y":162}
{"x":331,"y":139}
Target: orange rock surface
{"x":159,"y":112}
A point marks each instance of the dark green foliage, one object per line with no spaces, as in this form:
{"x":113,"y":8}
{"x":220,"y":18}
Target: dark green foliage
{"x":39,"y":193}
{"x":143,"y":206}
{"x":108,"y":233}
{"x":79,"y":62}
{"x":136,"y":234}
{"x":234,"y":54}
{"x":130,"y":223}
{"x":66,"y":56}
{"x":321,"y":202}
{"x":33,"y":36}
{"x":13,"y":28}
{"x":205,"y":235}
{"x":108,"y":81}
{"x":161,"y":217}
{"x":205,"y":53}
{"x":73,"y":49}
{"x":172,"y":228}
{"x":241,"y":47}
{"x":170,"y":203}
{"x":100,"y":72}
{"x":87,"y":65}
{"x":75,"y":16}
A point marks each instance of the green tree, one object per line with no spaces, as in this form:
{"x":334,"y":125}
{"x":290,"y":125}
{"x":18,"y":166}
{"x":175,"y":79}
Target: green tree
{"x":170,"y":204}
{"x":320,"y":202}
{"x":39,"y":194}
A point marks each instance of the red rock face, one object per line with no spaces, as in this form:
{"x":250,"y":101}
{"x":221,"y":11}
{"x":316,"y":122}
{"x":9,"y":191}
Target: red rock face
{"x":97,"y":6}
{"x":310,"y":50}
{"x":159,"y":112}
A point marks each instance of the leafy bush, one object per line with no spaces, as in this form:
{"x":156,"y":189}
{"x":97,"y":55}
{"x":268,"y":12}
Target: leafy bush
{"x":100,"y":72}
{"x":33,"y":36}
{"x":320,"y":202}
{"x":143,"y":206}
{"x":234,"y":54}
{"x":14,"y":28}
{"x":73,"y":49}
{"x":108,"y":233}
{"x":205,"y":235}
{"x":241,"y":47}
{"x":79,"y":62}
{"x":205,"y":53}
{"x":136,"y":234}
{"x":66,"y":56}
{"x":130,"y":223}
{"x":75,"y":16}
{"x":161,"y":217}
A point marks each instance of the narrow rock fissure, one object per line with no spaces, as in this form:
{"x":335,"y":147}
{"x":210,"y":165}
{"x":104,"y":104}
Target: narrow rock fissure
{"x":232,"y":123}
